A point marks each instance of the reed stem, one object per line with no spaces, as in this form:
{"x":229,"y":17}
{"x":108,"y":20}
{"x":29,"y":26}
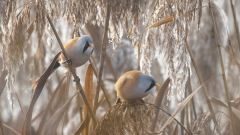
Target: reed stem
{"x":103,"y":54}
{"x":76,"y":78}
{"x":222,"y":67}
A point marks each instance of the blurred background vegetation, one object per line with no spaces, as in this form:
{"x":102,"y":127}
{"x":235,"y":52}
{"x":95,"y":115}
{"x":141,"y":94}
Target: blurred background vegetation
{"x":28,"y":45}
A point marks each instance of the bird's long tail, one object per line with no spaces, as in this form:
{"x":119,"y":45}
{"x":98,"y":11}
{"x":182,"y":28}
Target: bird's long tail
{"x":38,"y":86}
{"x":43,"y":78}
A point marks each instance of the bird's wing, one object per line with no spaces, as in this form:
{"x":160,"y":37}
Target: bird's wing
{"x":71,"y":43}
{"x":70,"y":48}
{"x":51,"y":68}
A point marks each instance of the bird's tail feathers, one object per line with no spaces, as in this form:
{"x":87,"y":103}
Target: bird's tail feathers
{"x":43,"y":78}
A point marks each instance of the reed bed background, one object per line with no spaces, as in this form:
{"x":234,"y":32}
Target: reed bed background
{"x":191,"y":47}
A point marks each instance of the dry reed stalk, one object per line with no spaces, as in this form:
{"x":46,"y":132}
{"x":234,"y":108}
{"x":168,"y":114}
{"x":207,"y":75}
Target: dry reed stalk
{"x":20,"y":104}
{"x":158,"y":101}
{"x":182,"y":117}
{"x":175,"y":130}
{"x":102,"y":85}
{"x":14,"y":131}
{"x":27,"y":123}
{"x":232,"y":56}
{"x":81,"y":127}
{"x":80,"y":107}
{"x":139,"y":51}
{"x":190,"y":91}
{"x":37,"y":116}
{"x":183,"y":104}
{"x":97,"y":40}
{"x":88,"y":90}
{"x":201,"y":82}
{"x":52,"y":124}
{"x":159,"y":108}
{"x":47,"y":111}
{"x":3,"y":80}
{"x":222,"y":67}
{"x":109,"y":63}
{"x":76,"y":78}
{"x":235,"y":24}
{"x":186,"y":115}
{"x":202,"y":121}
{"x":103,"y":53}
{"x":1,"y":127}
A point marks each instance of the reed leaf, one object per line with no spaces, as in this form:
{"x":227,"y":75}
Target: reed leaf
{"x":88,"y":90}
{"x":47,"y":111}
{"x":158,"y":101}
{"x":52,"y":124}
{"x":159,"y":23}
{"x":183,"y":104}
{"x":42,"y":80}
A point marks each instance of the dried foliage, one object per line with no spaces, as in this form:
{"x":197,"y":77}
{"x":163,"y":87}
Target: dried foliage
{"x":170,"y":45}
{"x":160,"y":51}
{"x":130,"y":117}
{"x":52,"y":124}
{"x":202,"y":121}
{"x":169,"y":40}
{"x":13,"y":39}
{"x":88,"y":90}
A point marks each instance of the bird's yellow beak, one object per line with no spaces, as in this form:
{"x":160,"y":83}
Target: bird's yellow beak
{"x":157,"y":84}
{"x":91,"y":45}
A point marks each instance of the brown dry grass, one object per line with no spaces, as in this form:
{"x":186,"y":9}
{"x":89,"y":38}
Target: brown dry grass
{"x":166,"y":36}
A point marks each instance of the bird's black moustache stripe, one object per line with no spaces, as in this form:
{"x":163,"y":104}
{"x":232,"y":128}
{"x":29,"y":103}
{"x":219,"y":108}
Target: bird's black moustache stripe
{"x":92,"y":50}
{"x":86,"y":46}
{"x":151,"y":86}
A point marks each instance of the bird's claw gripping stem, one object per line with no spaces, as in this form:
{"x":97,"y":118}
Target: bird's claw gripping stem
{"x":77,"y":79}
{"x":69,"y":62}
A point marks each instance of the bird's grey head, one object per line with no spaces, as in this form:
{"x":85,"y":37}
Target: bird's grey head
{"x":86,"y":44}
{"x":147,"y":82}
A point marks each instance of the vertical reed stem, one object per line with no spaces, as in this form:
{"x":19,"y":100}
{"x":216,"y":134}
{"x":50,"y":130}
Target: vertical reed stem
{"x":235,"y":24}
{"x":201,"y":82}
{"x":222,"y":67}
{"x":101,"y":84}
{"x":76,"y":78}
{"x":103,"y":53}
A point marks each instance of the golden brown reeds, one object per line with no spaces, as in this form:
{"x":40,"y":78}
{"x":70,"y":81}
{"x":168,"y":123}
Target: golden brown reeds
{"x":103,"y":53}
{"x":222,"y":67}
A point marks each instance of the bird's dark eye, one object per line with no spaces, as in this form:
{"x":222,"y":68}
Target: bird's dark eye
{"x":86,"y":46}
{"x":151,"y":86}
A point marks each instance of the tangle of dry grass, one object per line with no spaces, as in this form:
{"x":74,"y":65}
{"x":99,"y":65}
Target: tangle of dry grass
{"x":132,"y":16}
{"x":203,"y":121}
{"x":130,"y":117}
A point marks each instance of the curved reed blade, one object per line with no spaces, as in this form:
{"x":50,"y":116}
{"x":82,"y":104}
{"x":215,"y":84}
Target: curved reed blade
{"x":183,"y":104}
{"x":52,"y":124}
{"x":42,"y":80}
{"x":3,"y":80}
{"x":158,"y":101}
{"x":47,"y":111}
{"x":88,"y":90}
{"x":81,"y":127}
{"x":159,"y":23}
{"x":236,"y":62}
{"x":236,"y":112}
{"x":175,"y":130}
{"x":14,"y":131}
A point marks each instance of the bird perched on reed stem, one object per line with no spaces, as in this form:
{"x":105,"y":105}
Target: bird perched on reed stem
{"x":78,"y":51}
{"x":134,"y":85}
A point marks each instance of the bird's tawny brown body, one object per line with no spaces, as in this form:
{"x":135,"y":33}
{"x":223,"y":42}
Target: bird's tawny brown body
{"x":78,"y":51}
{"x":134,"y":85}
